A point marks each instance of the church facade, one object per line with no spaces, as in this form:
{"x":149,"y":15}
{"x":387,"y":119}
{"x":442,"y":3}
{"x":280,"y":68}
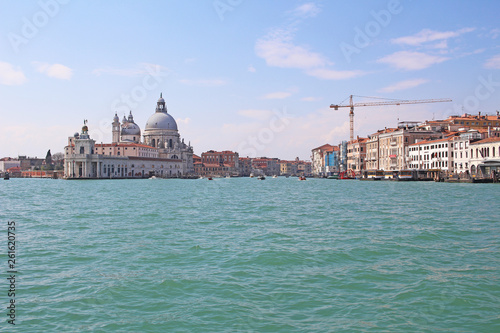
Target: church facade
{"x":162,"y":152}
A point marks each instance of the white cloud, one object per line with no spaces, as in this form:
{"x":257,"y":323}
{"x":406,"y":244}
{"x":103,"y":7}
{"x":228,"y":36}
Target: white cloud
{"x":140,"y":70}
{"x":251,"y":69}
{"x":402,"y":85}
{"x":310,"y":99}
{"x":406,"y":60}
{"x":306,"y":10}
{"x":330,"y":74}
{"x":256,"y":114}
{"x":495,"y":33}
{"x":493,"y":62}
{"x":10,"y":76}
{"x":277,"y":95}
{"x":56,"y":71}
{"x":204,"y":82}
{"x":278,"y":50}
{"x":186,"y":120}
{"x":427,"y":36}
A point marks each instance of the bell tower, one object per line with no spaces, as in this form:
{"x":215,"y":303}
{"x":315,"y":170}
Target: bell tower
{"x":116,"y":129}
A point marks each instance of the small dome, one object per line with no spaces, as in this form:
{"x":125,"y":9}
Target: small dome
{"x":161,"y":100}
{"x":130,"y":129}
{"x":161,"y":120}
{"x":115,"y":118}
{"x":76,"y":135}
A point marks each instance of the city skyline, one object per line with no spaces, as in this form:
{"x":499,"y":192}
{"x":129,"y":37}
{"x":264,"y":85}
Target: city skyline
{"x":255,"y":78}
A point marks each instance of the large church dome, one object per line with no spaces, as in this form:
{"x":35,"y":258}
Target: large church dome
{"x":161,"y":120}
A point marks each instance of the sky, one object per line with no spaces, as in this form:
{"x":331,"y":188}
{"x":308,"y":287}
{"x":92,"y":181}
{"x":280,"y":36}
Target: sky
{"x":256,"y":77}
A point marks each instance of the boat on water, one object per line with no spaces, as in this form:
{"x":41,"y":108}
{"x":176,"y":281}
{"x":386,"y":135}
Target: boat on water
{"x":274,"y":176}
{"x":6,"y":176}
{"x":302,"y":178}
{"x":210,"y":178}
{"x":334,"y":176}
{"x":251,"y":175}
{"x":153,"y":177}
{"x":374,"y":175}
{"x":349,"y":174}
{"x":405,"y":175}
{"x":261,"y":177}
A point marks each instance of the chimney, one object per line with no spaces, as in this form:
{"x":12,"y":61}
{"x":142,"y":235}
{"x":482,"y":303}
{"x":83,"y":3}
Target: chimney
{"x":489,"y":132}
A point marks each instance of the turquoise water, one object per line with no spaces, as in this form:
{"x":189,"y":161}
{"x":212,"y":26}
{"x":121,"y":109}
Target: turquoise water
{"x":243,"y":255}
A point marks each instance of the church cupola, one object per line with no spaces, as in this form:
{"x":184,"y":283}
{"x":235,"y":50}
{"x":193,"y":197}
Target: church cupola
{"x":160,"y":105}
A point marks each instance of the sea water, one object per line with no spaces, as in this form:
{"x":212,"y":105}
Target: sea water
{"x":245,"y":255}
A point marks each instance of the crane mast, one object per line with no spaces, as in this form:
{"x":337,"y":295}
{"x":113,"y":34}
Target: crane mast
{"x":351,"y":105}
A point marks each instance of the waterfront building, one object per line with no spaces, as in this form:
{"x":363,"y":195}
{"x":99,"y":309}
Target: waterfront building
{"x":461,"y":153}
{"x":162,"y":153}
{"x":356,"y":154}
{"x":245,"y":166}
{"x":8,"y":162}
{"x":485,"y":156}
{"x":332,"y":160}
{"x":432,"y":155}
{"x":268,"y":166}
{"x":214,"y":163}
{"x":318,"y":159}
{"x":394,"y":142}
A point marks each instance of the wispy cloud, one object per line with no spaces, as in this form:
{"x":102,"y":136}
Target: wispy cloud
{"x":310,"y":99}
{"x":409,"y":61}
{"x":204,"y":82}
{"x":251,"y":69}
{"x":277,"y":95}
{"x":306,"y":10}
{"x":256,"y":114}
{"x":330,"y":74}
{"x":11,"y":76}
{"x":140,"y":70}
{"x":402,"y":85}
{"x":493,"y":62}
{"x":56,"y":71}
{"x":428,"y":36}
{"x":279,"y":49}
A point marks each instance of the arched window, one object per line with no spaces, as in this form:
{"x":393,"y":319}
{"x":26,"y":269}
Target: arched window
{"x":170,"y":145}
{"x":153,"y":143}
{"x":82,"y":150}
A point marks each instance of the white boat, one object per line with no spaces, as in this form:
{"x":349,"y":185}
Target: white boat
{"x":274,"y":176}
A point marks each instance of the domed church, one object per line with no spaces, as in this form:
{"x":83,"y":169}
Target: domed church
{"x":162,"y":153}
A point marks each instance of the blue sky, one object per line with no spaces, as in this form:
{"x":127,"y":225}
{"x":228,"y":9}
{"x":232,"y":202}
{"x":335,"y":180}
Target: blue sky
{"x":256,"y":77}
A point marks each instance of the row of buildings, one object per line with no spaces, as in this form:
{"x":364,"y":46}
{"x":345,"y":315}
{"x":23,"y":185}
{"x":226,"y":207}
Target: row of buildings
{"x":228,"y":163}
{"x":466,"y":144}
{"x":159,"y":151}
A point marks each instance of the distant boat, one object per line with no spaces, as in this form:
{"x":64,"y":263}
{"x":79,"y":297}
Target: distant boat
{"x":251,"y":175}
{"x":6,"y":176}
{"x":302,"y":178}
{"x":274,"y":176}
{"x":153,"y":177}
{"x":261,"y":177}
{"x":210,"y":178}
{"x":333,"y":177}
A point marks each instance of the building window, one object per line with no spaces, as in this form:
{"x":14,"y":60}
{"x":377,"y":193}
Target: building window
{"x":82,"y":150}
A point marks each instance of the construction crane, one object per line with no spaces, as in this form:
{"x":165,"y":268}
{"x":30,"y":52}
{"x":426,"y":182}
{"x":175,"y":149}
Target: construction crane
{"x":389,"y":102}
